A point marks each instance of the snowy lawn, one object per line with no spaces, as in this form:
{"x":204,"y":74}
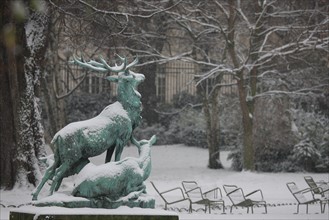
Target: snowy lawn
{"x":175,"y":163}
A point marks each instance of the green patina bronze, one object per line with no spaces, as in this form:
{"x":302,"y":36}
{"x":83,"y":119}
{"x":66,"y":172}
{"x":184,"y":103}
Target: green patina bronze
{"x":124,"y":178}
{"x":119,"y":182}
{"x":112,"y":184}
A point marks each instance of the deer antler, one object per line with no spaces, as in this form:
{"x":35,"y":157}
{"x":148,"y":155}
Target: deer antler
{"x":101,"y":67}
{"x":133,"y":63}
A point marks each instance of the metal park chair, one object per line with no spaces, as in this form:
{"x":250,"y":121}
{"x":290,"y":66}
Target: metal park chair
{"x":239,"y":199}
{"x":177,"y":190}
{"x":320,"y":188}
{"x":300,"y":196}
{"x":210,"y":198}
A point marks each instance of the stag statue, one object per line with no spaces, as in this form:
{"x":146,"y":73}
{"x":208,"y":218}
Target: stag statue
{"x":110,"y":130}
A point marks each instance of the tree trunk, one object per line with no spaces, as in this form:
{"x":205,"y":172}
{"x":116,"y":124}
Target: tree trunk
{"x":8,"y":95}
{"x":148,"y":91}
{"x":21,"y":131}
{"x":10,"y":66}
{"x":246,"y":104}
{"x":248,"y":148}
{"x":211,"y":113}
{"x":213,"y":131}
{"x":247,"y":124}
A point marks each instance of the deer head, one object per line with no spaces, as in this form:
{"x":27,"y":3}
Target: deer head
{"x":127,"y":80}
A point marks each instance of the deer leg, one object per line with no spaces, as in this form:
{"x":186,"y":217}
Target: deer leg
{"x":58,"y":177}
{"x":118,"y":150}
{"x":76,"y":169}
{"x":47,"y":176}
{"x":58,"y":184}
{"x":109,"y":154}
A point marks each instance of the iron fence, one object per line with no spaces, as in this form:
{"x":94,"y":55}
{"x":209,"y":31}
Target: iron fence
{"x":172,"y":78}
{"x":178,"y":76}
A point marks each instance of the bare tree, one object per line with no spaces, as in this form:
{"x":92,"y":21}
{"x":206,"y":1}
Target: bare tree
{"x":252,"y":39}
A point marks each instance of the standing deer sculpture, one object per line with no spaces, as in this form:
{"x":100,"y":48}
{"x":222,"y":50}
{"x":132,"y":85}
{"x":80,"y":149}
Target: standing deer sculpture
{"x":110,"y":130}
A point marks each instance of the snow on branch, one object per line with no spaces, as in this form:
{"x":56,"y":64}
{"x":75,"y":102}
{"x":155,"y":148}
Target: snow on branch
{"x":126,"y":14}
{"x":304,"y":91}
{"x":293,"y":47}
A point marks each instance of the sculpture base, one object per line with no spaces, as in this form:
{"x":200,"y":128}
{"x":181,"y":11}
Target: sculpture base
{"x":63,"y":200}
{"x":56,"y":213}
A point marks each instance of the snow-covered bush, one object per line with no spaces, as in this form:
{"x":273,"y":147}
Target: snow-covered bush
{"x":306,"y":154}
{"x":275,"y":159}
{"x":192,"y":128}
{"x":179,"y":123}
{"x":183,"y":99}
{"x":164,"y":135}
{"x":311,"y":128}
{"x":187,"y":127}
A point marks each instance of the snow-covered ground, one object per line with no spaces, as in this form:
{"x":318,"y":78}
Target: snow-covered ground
{"x":175,"y":163}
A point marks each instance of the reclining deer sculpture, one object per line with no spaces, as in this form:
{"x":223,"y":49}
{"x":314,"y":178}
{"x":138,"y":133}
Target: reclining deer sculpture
{"x":124,"y":178}
{"x":110,"y":130}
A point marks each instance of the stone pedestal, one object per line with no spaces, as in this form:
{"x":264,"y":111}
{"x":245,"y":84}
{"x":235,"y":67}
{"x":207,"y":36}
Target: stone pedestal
{"x":30,"y":216}
{"x":68,"y":201}
{"x":59,"y":213}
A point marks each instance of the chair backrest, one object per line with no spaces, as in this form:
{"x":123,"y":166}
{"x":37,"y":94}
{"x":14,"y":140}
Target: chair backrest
{"x":229,"y":188}
{"x":160,"y":194}
{"x":299,"y":196}
{"x":234,"y":193}
{"x":192,"y":190}
{"x":189,"y":185}
{"x":312,"y":184}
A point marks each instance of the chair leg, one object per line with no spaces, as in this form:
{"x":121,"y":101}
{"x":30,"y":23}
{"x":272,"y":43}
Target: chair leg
{"x":231,"y":209}
{"x":265,"y":209}
{"x":223,"y":208}
{"x":324,"y":206}
{"x":297,"y":208}
{"x":306,"y":208}
{"x":252,"y":210}
{"x":247,"y":210}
